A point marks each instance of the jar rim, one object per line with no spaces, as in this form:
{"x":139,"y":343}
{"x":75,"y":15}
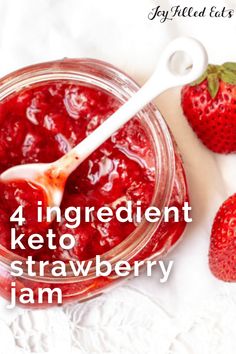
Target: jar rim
{"x":99,"y":73}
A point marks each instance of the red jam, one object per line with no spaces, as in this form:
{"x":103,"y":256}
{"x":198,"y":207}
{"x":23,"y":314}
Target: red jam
{"x":43,"y":122}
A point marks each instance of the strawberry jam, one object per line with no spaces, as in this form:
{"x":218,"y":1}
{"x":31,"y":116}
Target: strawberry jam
{"x":43,"y":122}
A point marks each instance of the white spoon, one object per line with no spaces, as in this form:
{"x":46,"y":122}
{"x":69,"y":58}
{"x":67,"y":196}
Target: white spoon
{"x":52,"y":176}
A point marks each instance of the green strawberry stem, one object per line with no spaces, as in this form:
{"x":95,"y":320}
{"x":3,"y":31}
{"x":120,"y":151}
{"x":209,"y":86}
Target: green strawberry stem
{"x":216,"y":73}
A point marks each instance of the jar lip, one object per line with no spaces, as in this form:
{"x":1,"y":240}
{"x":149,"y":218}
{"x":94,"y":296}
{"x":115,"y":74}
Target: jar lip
{"x":89,"y":70}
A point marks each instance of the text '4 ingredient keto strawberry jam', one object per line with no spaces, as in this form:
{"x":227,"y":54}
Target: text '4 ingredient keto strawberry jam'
{"x":42,"y":117}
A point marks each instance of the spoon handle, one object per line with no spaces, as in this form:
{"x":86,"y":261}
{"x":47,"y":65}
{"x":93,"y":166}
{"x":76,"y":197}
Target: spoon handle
{"x":162,"y":79}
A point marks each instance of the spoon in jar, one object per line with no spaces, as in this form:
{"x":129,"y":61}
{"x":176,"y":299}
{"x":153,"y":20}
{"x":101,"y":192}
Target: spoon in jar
{"x":51,"y":177}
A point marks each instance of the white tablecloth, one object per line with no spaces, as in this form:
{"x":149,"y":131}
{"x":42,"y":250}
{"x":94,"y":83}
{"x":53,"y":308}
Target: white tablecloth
{"x":193,"y":313}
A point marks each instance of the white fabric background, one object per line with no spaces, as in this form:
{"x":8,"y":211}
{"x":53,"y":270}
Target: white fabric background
{"x":193,"y":313}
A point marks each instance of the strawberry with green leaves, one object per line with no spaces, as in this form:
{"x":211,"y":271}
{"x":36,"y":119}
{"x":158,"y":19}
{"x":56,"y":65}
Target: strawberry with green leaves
{"x":222,"y":254}
{"x":210,"y":107}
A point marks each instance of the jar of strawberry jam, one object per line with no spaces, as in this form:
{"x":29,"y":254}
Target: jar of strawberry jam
{"x":45,"y":110}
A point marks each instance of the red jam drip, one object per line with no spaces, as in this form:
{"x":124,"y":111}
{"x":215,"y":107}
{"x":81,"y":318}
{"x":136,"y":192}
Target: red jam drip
{"x":42,"y":123}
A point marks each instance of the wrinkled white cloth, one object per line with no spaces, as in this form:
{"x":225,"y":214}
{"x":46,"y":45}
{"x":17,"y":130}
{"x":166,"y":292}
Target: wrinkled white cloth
{"x":193,"y":313}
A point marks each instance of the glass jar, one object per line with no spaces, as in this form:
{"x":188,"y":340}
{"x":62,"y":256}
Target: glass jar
{"x":148,"y":240}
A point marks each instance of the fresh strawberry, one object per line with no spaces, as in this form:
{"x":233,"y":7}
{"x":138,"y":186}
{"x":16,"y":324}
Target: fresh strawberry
{"x":222,"y":254}
{"x":210,"y":107}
